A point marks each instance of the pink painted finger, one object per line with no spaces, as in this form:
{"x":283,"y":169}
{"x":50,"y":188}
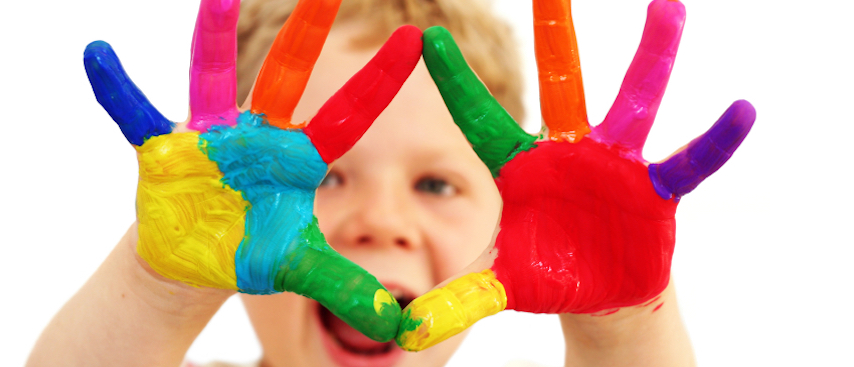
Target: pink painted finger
{"x":632,"y":114}
{"x":561,"y":87}
{"x":213,"y":77}
{"x":346,"y":116}
{"x":286,"y":69}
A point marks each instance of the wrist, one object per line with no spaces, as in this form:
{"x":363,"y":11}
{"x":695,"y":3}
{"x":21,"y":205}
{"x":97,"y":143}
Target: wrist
{"x":648,"y":334}
{"x":161,"y":294}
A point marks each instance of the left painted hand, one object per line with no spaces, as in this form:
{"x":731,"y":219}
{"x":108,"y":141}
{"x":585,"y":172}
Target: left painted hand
{"x":226,"y":199}
{"x":587,"y":224}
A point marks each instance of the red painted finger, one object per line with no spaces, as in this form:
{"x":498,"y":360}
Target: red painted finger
{"x":285,"y":72}
{"x":632,"y":114}
{"x":561,"y":88}
{"x":347,"y":115}
{"x":213,"y":77}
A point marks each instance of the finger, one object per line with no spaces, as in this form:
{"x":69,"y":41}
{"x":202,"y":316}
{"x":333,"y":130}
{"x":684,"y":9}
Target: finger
{"x":286,"y":69}
{"x":447,"y":311}
{"x":346,"y":116}
{"x":683,"y":171}
{"x":561,"y":88}
{"x":493,"y":134}
{"x":633,"y":112}
{"x":347,"y":290}
{"x":125,"y":103}
{"x":213,"y":77}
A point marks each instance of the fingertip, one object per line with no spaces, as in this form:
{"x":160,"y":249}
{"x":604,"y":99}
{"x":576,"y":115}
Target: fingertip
{"x":119,"y":96}
{"x":665,"y":21}
{"x":439,"y":44}
{"x":97,"y":46}
{"x":388,"y":317}
{"x":400,"y":53}
{"x":219,"y":14}
{"x":436,"y":32}
{"x":744,"y":111}
{"x":99,"y":53}
{"x":733,"y":126}
{"x":449,"y":310}
{"x":671,"y":9}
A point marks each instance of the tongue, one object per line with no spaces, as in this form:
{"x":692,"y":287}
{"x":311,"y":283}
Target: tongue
{"x":353,"y":340}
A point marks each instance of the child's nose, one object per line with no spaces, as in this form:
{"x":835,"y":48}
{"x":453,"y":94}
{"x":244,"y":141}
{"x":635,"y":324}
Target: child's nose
{"x":384,"y":220}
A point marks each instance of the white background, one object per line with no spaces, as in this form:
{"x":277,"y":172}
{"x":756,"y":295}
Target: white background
{"x":764,"y":247}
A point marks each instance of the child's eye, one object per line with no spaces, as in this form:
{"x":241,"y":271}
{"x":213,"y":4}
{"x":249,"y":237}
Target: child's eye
{"x":332,"y":179}
{"x":435,"y":186}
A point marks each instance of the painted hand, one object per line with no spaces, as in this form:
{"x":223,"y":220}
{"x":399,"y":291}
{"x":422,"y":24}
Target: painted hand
{"x":225,"y":200}
{"x":587,"y":224}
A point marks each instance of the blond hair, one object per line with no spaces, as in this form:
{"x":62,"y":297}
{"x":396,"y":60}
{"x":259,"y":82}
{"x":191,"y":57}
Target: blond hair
{"x":486,"y":42}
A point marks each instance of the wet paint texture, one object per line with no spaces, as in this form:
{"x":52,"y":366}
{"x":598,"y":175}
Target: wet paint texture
{"x":588,"y":234}
{"x":277,"y":172}
{"x":561,"y":87}
{"x":213,"y":73}
{"x":682,"y":172}
{"x":229,"y":205}
{"x":190,"y":223}
{"x":587,"y":225}
{"x":630,"y":118}
{"x":447,"y":311}
{"x":122,"y":100}
{"x":291,"y":59}
{"x":493,"y":134}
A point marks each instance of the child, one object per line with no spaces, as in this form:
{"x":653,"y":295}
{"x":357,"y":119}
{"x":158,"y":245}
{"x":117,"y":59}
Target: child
{"x":413,"y":205}
{"x":410,"y":203}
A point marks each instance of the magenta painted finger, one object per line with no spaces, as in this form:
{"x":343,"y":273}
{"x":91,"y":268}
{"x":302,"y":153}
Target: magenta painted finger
{"x":213,"y":77}
{"x":633,"y":112}
{"x":683,"y":171}
{"x":346,"y":116}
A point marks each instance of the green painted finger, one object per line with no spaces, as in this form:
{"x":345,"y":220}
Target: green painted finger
{"x":316,"y":271}
{"x":494,"y":135}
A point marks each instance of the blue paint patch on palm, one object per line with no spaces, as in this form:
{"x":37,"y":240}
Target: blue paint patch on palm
{"x":277,"y":171}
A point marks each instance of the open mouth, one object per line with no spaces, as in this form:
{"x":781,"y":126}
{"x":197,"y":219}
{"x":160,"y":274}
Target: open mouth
{"x":352,"y":348}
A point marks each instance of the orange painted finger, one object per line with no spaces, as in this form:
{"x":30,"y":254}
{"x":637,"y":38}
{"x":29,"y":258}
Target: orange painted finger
{"x":285,"y":72}
{"x":561,"y":88}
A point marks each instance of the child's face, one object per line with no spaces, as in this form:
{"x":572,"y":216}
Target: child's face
{"x":411,"y":203}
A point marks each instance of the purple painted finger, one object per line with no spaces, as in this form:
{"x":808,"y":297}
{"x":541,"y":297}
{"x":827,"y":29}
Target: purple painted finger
{"x":346,"y":116}
{"x":683,"y":171}
{"x":633,"y":112}
{"x":213,"y":77}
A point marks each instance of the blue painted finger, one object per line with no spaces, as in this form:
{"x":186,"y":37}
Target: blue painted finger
{"x":125,"y":103}
{"x":683,"y":171}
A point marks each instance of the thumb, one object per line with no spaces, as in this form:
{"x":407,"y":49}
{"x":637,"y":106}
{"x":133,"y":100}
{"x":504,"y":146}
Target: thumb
{"x":347,"y":290}
{"x":453,"y":306}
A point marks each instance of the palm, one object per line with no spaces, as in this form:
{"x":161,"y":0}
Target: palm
{"x":229,"y":203}
{"x":593,"y":216}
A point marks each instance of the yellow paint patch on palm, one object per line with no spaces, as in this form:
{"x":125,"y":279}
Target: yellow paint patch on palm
{"x":190,"y":222}
{"x":447,"y":311}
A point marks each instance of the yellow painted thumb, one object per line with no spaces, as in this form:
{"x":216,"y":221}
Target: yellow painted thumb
{"x":447,"y":311}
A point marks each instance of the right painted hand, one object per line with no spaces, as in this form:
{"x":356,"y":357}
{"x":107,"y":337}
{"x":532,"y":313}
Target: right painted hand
{"x":225,"y":199}
{"x":587,"y":225}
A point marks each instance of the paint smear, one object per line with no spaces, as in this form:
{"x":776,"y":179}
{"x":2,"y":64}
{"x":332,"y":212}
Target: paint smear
{"x":277,"y":172}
